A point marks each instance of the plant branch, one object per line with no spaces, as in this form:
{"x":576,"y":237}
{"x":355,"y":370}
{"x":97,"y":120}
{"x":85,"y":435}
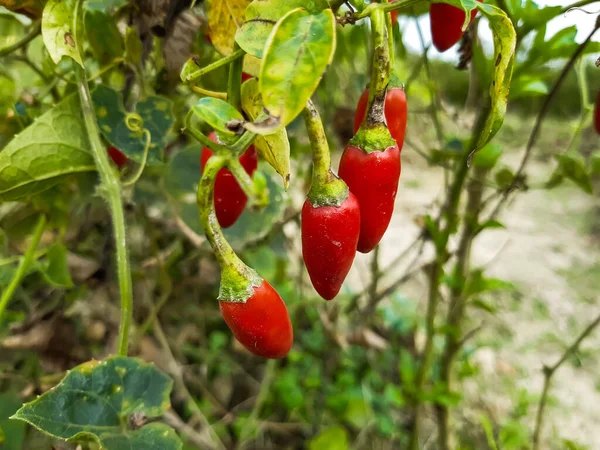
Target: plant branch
{"x":33,"y":32}
{"x":111,"y":190}
{"x":221,"y":62}
{"x":26,"y":261}
{"x":548,"y":374}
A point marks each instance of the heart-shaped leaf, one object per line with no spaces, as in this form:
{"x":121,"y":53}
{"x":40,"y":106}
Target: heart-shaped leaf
{"x":62,"y":29}
{"x":104,"y":401}
{"x":298,"y":51}
{"x":274,"y":148}
{"x":52,"y":147}
{"x":157,"y":117}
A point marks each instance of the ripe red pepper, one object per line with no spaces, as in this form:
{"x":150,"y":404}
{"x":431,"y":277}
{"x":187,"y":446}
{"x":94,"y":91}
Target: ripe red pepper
{"x":230,"y":199}
{"x":394,"y":14}
{"x":597,"y":114}
{"x":329,"y":239}
{"x":245,"y":76}
{"x":117,"y":156}
{"x":262,"y":323}
{"x":395,"y":110}
{"x":446,"y":24}
{"x":373,"y":177}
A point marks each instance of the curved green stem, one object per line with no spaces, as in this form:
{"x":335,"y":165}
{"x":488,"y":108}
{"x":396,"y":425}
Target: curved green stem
{"x":138,"y":174}
{"x":390,"y":32}
{"x":111,"y":190}
{"x":386,"y":7}
{"x":31,"y":35}
{"x":326,"y":189}
{"x":209,"y":93}
{"x":23,"y":266}
{"x":221,"y":62}
{"x":234,"y":85}
{"x":246,"y":183}
{"x":237,"y":279}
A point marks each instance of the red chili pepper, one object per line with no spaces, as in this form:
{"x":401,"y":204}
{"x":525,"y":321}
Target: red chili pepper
{"x":394,"y":14}
{"x":329,"y":240}
{"x":117,"y":156}
{"x":245,"y":76}
{"x":597,"y":114}
{"x":230,"y":199}
{"x":262,"y":323}
{"x":446,"y":24}
{"x":373,"y":177}
{"x":396,"y":111}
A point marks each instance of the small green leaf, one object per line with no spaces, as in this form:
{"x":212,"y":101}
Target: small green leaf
{"x":103,"y":35}
{"x":489,"y":224}
{"x":261,"y":17}
{"x":157,"y":117}
{"x":48,"y":150}
{"x":274,"y":148}
{"x":298,"y":51}
{"x":505,"y":40}
{"x":527,"y":86}
{"x":97,"y":400}
{"x":56,"y":271}
{"x":217,"y":113}
{"x":483,"y":305}
{"x":62,"y":29}
{"x":488,"y":156}
{"x":335,"y":438}
{"x":133,"y":46}
{"x":504,"y":178}
{"x":572,"y":166}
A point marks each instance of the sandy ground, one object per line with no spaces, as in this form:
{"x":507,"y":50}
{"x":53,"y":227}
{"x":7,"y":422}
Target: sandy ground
{"x":547,"y":253}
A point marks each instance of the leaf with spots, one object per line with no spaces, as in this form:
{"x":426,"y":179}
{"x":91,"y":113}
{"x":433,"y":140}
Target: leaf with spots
{"x":157,"y":117}
{"x":108,"y":402}
{"x":505,"y":41}
{"x":298,"y":51}
{"x":46,"y":152}
{"x":224,"y":18}
{"x":62,"y":29}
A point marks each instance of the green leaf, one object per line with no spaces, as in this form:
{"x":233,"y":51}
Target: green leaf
{"x":595,"y":163}
{"x":407,"y":369}
{"x":504,"y":178}
{"x":478,"y":283}
{"x":488,"y":428}
{"x":11,"y":30}
{"x":572,"y":166}
{"x":52,"y":147}
{"x":489,"y":224}
{"x":358,"y":412}
{"x":103,"y":35}
{"x":527,"y":86}
{"x":217,"y":113}
{"x":483,"y":305}
{"x":56,"y":271}
{"x":62,"y":28}
{"x":224,"y":17}
{"x":157,"y":117}
{"x":274,"y":148}
{"x":13,"y":431}
{"x":261,"y":17}
{"x":105,"y":5}
{"x":97,"y":400}
{"x":335,"y":438}
{"x":505,"y":40}
{"x":298,"y":51}
{"x":488,"y":156}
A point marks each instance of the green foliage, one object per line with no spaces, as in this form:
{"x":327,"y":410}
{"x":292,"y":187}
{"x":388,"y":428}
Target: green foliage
{"x":62,"y":27}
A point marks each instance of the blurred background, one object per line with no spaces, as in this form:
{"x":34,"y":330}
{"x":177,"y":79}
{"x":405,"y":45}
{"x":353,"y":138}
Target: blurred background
{"x":348,"y":380}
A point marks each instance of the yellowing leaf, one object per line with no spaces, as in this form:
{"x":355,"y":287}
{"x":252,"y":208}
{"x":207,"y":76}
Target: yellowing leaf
{"x":224,"y":18}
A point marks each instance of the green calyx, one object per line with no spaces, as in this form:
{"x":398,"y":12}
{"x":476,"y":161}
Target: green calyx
{"x":395,"y":82}
{"x":375,"y":139}
{"x":328,"y":192}
{"x":238,"y":283}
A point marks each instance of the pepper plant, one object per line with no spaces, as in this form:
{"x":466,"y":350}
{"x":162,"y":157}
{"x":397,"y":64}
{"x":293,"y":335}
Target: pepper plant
{"x":112,"y":107}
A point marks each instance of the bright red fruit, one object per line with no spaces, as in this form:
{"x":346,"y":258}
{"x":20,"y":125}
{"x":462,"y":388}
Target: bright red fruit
{"x":230,"y":199}
{"x":329,"y":239}
{"x":245,"y":76}
{"x":394,"y":14}
{"x":373,"y":177}
{"x":446,"y":24}
{"x":597,"y":114}
{"x":395,"y":110}
{"x":261,"y":324}
{"x":117,"y":156}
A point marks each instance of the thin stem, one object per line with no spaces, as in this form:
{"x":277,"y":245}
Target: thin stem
{"x":380,"y":70}
{"x":221,"y":62}
{"x":23,"y":266}
{"x":540,"y":118}
{"x":142,"y":165}
{"x":106,"y":68}
{"x":34,"y":31}
{"x":318,"y":142}
{"x":234,"y":85}
{"x":386,"y":7}
{"x":111,"y":190}
{"x":549,"y":372}
{"x":390,"y":32}
{"x":208,"y":93}
{"x":243,"y":179}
